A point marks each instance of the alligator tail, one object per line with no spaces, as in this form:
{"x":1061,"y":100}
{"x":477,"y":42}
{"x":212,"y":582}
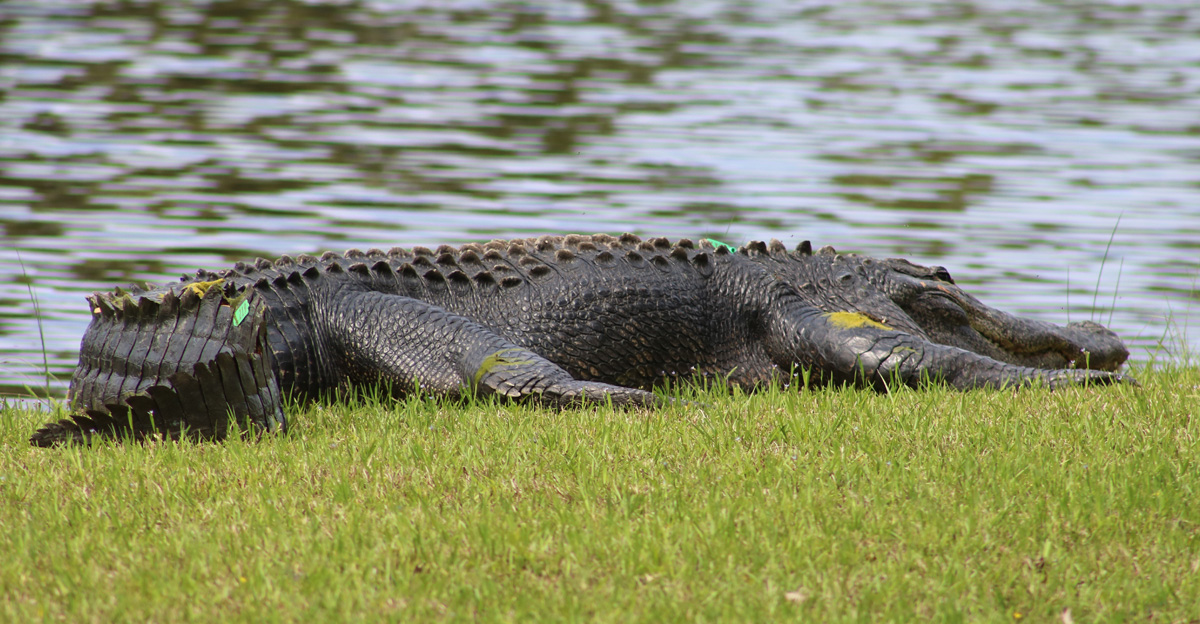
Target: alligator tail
{"x":157,"y":363}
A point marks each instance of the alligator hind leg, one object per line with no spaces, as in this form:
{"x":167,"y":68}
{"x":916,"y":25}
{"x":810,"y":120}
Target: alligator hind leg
{"x":409,"y":343}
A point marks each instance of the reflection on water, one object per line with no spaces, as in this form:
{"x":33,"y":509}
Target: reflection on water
{"x":1004,"y":140}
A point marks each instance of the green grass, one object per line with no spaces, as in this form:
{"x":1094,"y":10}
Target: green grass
{"x":827,"y":505}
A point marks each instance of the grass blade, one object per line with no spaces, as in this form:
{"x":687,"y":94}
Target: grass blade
{"x":1111,"y":236}
{"x":37,"y":313}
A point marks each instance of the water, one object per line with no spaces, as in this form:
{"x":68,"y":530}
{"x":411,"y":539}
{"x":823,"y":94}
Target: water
{"x":1007,"y":141}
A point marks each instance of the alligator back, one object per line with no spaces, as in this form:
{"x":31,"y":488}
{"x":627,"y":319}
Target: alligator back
{"x":173,"y":364}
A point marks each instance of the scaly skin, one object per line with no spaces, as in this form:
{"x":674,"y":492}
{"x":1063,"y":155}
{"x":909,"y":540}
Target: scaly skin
{"x":555,"y":320}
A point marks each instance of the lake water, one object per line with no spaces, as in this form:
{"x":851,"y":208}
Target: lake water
{"x":1009,"y":141}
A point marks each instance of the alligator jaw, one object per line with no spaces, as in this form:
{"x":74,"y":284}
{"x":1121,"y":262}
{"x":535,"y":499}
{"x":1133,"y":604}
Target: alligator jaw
{"x":1026,"y":342}
{"x":948,"y":315}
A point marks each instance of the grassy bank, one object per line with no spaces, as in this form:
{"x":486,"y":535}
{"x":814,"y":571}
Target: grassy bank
{"x":821,"y":505}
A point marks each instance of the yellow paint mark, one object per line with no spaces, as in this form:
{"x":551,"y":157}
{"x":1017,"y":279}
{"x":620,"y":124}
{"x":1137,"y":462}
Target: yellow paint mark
{"x":850,"y":320}
{"x":503,"y":357}
{"x":202,"y":287}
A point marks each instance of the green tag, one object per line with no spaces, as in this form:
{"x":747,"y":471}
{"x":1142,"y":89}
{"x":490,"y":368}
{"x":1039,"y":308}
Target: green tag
{"x":718,"y":244}
{"x":240,"y":313}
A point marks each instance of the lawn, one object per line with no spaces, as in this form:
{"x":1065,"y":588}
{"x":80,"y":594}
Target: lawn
{"x":815,"y":505}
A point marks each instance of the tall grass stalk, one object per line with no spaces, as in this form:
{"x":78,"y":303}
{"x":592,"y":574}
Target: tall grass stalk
{"x":1116,"y":289}
{"x":37,"y":312}
{"x":1103,"y":261}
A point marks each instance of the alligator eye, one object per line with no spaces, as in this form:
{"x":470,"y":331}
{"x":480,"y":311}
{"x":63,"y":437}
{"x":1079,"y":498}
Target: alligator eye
{"x":942,"y":274}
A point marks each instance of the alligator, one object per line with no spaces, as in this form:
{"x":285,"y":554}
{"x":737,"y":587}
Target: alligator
{"x":556,"y":320}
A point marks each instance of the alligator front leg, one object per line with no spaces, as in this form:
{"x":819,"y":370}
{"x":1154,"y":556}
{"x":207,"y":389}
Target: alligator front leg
{"x":411,"y":344}
{"x":848,"y":346}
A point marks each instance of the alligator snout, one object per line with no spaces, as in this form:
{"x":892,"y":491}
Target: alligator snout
{"x":1099,"y":347}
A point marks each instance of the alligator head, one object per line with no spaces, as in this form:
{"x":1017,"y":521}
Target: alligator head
{"x":948,"y":315}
